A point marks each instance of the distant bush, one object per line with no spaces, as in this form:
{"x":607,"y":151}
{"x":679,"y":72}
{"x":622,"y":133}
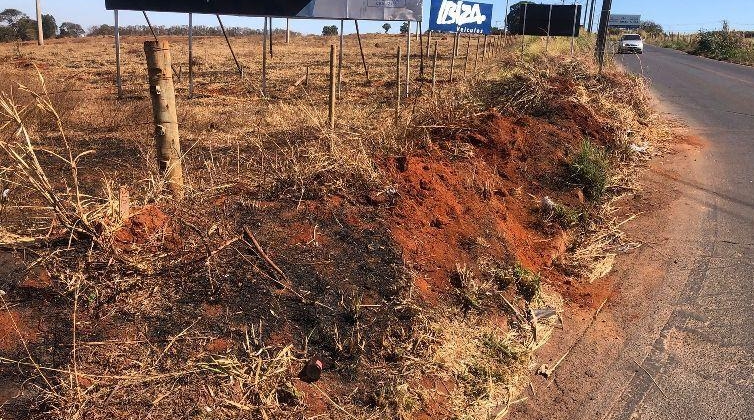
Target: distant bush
{"x":329,"y":30}
{"x":720,"y":45}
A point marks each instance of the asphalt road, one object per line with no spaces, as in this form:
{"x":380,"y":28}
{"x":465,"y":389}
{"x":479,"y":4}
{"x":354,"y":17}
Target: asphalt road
{"x":676,"y":338}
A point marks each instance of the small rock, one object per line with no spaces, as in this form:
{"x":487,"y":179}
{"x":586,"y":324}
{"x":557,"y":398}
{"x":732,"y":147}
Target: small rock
{"x":312,"y":370}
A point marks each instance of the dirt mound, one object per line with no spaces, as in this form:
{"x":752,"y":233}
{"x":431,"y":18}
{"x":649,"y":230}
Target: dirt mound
{"x":480,"y":202}
{"x":147,"y":224}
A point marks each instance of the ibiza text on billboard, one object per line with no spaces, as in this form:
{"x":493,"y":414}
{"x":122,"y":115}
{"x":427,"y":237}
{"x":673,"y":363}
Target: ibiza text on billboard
{"x":460,"y":13}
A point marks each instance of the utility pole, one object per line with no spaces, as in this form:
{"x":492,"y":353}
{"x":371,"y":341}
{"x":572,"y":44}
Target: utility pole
{"x":602,"y":33}
{"x":40,"y":33}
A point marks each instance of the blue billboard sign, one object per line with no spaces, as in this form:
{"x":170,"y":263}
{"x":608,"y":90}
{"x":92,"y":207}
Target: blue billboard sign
{"x":460,"y":16}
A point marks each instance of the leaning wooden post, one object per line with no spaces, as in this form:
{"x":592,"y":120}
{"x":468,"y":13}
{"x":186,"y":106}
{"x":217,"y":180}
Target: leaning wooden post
{"x":398,"y":87}
{"x":484,"y":49}
{"x":434,"y":69}
{"x":333,"y":88}
{"x":165,"y":116}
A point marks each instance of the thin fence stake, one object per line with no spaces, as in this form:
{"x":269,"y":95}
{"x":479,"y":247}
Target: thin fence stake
{"x":398,"y":87}
{"x":333,"y":93}
{"x":452,"y":61}
{"x":408,"y":59}
{"x":434,"y":68}
{"x":421,"y":52}
{"x":191,"y":55}
{"x":466,"y":57}
{"x":476,"y":56}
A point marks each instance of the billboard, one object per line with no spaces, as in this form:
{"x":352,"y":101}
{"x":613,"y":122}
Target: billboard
{"x":560,"y":19}
{"x":317,"y":9}
{"x":460,"y":16}
{"x":624,"y":21}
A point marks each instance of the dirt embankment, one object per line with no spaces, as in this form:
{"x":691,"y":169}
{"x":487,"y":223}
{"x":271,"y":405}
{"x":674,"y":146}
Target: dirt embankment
{"x":213,"y":307}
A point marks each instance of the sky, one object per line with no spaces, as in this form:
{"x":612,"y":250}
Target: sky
{"x":673,"y":15}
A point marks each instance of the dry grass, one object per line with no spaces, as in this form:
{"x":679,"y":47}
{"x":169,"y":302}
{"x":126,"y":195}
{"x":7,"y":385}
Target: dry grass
{"x":139,"y":338}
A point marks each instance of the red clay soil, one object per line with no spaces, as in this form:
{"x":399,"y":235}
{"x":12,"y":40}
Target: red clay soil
{"x":457,"y":210}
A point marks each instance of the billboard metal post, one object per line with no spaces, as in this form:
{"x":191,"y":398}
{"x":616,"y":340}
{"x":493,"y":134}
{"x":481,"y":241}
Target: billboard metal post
{"x":575,"y":22}
{"x":549,"y":24}
{"x":270,"y":32}
{"x":191,"y":54}
{"x":340,"y":58}
{"x":505,"y":30}
{"x":408,"y":58}
{"x":118,"y":80}
{"x":264,"y":58}
{"x":523,"y":31}
{"x":591,"y":16}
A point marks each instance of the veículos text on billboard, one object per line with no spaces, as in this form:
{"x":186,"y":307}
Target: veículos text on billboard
{"x":315,"y":9}
{"x":460,"y":16}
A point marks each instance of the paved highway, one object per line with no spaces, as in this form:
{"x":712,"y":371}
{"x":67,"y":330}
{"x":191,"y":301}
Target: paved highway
{"x":676,"y":338}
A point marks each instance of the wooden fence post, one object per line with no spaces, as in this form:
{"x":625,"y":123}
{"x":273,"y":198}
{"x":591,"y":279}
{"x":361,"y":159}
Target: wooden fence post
{"x":333,"y":88}
{"x":166,"y":135}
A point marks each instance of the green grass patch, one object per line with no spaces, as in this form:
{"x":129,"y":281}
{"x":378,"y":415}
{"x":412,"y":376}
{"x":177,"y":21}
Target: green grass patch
{"x":590,"y":169}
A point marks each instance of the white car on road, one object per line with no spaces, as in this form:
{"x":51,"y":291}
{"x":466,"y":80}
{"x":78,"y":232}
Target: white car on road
{"x":631,"y":43}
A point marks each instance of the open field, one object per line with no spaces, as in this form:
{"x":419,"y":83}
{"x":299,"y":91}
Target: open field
{"x":423,"y":260}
